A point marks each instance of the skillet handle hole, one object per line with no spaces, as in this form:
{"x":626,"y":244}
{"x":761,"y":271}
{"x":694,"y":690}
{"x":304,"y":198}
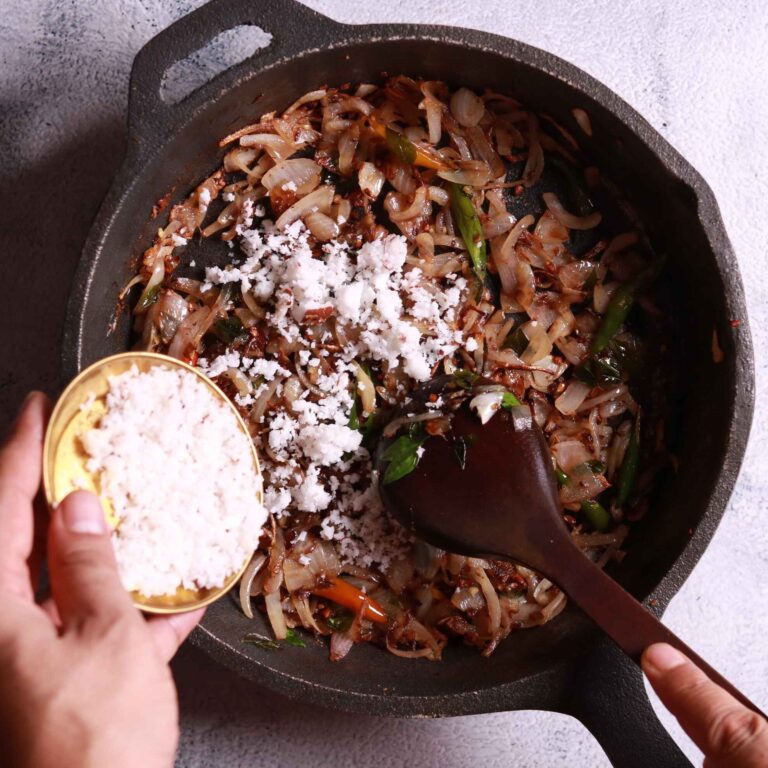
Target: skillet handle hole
{"x":219,"y":54}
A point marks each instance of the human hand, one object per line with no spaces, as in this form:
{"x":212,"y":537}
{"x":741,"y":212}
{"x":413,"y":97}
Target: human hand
{"x":726,"y":732}
{"x":84,"y":678}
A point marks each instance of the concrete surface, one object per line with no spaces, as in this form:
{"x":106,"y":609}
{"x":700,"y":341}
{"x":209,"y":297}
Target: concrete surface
{"x":695,"y":69}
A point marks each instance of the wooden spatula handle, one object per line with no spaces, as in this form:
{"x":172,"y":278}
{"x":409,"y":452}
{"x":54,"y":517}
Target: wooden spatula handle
{"x":631,"y":626}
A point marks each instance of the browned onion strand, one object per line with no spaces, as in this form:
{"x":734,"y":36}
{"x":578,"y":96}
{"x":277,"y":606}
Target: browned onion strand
{"x":325,"y":162}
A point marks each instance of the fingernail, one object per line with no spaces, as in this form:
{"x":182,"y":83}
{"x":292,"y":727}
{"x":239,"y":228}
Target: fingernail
{"x":664,"y":657}
{"x":82,"y":513}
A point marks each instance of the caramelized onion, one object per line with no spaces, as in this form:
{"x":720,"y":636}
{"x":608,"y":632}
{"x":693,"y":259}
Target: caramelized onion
{"x":467,"y":107}
{"x":567,"y":219}
{"x":319,"y":200}
{"x":300,"y":176}
{"x":370,"y":179}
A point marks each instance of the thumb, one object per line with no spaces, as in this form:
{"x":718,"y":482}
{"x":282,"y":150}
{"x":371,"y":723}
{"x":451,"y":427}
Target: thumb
{"x":84,"y":580}
{"x":726,"y":732}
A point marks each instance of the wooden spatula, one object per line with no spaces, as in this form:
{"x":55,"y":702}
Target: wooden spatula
{"x":504,"y":504}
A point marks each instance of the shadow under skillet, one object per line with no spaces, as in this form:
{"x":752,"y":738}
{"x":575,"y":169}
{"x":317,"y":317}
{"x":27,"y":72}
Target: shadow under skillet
{"x":228,"y":721}
{"x":47,"y":207}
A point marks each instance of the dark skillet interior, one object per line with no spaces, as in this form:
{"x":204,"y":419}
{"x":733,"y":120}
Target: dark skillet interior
{"x":668,"y":208}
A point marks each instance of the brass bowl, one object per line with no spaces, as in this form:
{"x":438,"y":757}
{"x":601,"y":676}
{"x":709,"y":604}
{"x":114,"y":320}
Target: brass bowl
{"x":80,"y":408}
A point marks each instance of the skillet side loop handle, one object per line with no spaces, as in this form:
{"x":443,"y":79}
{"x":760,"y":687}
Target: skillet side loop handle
{"x":605,"y":692}
{"x":624,"y":619}
{"x":293,"y":28}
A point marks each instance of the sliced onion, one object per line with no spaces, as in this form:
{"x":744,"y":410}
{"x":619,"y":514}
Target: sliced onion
{"x":246,"y":582}
{"x":341,"y":645}
{"x":302,"y":173}
{"x":504,"y":256}
{"x":573,"y":276}
{"x":171,"y":311}
{"x":240,"y":380}
{"x":582,"y":120}
{"x":402,"y":179}
{"x":275,"y":613}
{"x":297,"y":576}
{"x":595,"y":539}
{"x":365,"y":389}
{"x":467,"y":107}
{"x":611,"y":394}
{"x":562,"y":325}
{"x":274,"y":575}
{"x":394,"y":204}
{"x":490,"y":595}
{"x":341,"y":211}
{"x":438,"y":195}
{"x":260,"y":406}
{"x":305,"y":99}
{"x":189,"y":286}
{"x":567,"y":219}
{"x":240,"y":159}
{"x":539,"y":343}
{"x":354,"y":104}
{"x":190,"y":332}
{"x":583,"y":484}
{"x":319,"y":200}
{"x":601,"y":296}
{"x":158,"y":273}
{"x":301,"y":604}
{"x":276,"y":147}
{"x":526,"y":284}
{"x":468,"y":599}
{"x":391,"y":429}
{"x":322,"y":227}
{"x":572,"y":398}
{"x":371,"y":180}
{"x":617,"y":448}
{"x":570,"y":453}
{"x":347,"y":146}
{"x":473,"y":173}
{"x":554,"y":606}
{"x":482,"y":150}
{"x":497,"y":225}
{"x":434,"y":110}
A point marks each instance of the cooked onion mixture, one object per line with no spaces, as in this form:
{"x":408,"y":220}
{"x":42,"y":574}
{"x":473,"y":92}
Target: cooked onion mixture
{"x":382,"y":235}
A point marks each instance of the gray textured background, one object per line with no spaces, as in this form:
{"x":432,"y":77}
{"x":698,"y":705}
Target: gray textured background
{"x":695,"y":69}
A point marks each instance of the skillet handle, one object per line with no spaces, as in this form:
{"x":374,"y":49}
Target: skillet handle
{"x":293,"y":27}
{"x":630,"y":625}
{"x":605,"y":691}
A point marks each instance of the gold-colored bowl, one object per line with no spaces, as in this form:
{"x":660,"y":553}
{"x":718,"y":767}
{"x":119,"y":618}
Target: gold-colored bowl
{"x":80,"y":408}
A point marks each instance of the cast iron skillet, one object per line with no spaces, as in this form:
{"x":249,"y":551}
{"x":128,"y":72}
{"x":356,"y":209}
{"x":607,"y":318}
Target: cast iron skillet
{"x":566,"y":666}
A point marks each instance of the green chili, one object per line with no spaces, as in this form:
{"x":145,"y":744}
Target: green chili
{"x":628,"y":471}
{"x":292,"y":637}
{"x":148,"y":298}
{"x":464,"y":379}
{"x":403,"y":456}
{"x":620,"y":304}
{"x":562,"y":478}
{"x":618,"y":309}
{"x":468,"y":222}
{"x":400,"y":146}
{"x":508,"y":400}
{"x":597,"y":515}
{"x":252,"y":638}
